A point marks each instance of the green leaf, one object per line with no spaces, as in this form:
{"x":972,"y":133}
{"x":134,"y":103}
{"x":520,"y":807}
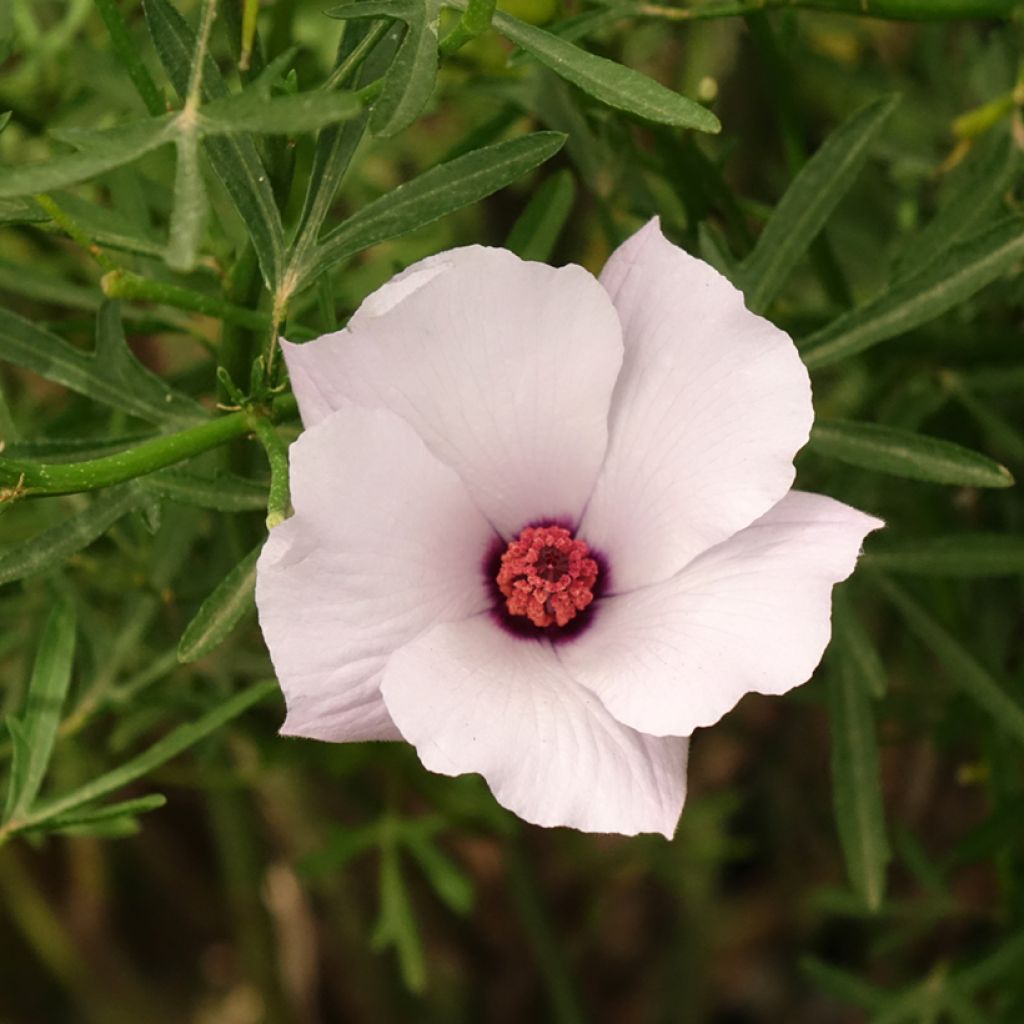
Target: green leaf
{"x":100,"y":151}
{"x":855,"y":647}
{"x":409,"y":82}
{"x":964,"y":555}
{"x":856,"y":787}
{"x":808,"y":202}
{"x":71,"y":449}
{"x":55,"y":545}
{"x":108,"y":226}
{"x":396,"y":925}
{"x":21,"y":211}
{"x":904,"y":453}
{"x":233,"y":157}
{"x":449,"y":881}
{"x":234,"y":598}
{"x":111,"y":375}
{"x":223,"y":493}
{"x":174,"y":743}
{"x":535,"y":233}
{"x":335,"y":146}
{"x":105,"y":813}
{"x":963,"y":671}
{"x":47,"y":688}
{"x":950,"y":279}
{"x":435,"y":193}
{"x":251,"y":111}
{"x":188,"y":216}
{"x":617,"y":86}
{"x":843,"y":986}
{"x":985,"y":176}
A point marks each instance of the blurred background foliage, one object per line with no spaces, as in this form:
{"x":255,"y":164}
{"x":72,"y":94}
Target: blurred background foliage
{"x":854,"y":851}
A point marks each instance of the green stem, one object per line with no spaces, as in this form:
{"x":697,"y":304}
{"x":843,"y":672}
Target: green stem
{"x":475,"y":20}
{"x":73,"y":231}
{"x":128,"y":54}
{"x":25,"y":478}
{"x":123,"y":284}
{"x":193,"y":96}
{"x":238,"y":342}
{"x":907,"y":10}
{"x":279,"y":501}
{"x":348,"y":67}
{"x":249,"y":13}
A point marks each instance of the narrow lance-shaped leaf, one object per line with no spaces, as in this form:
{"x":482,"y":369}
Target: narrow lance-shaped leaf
{"x":955,"y":276}
{"x":234,"y":157}
{"x":409,"y":81}
{"x":111,"y":375}
{"x":224,"y":493}
{"x":233,"y":598}
{"x":48,"y":686}
{"x":856,"y":786}
{"x":174,"y":743}
{"x":436,"y":192}
{"x":957,"y":663}
{"x":92,"y":815}
{"x":535,"y":234}
{"x":984,"y":178}
{"x":55,"y":545}
{"x":963,"y":555}
{"x":336,"y":145}
{"x":617,"y":86}
{"x":252,"y":111}
{"x":807,"y":203}
{"x":904,"y":453}
{"x":103,"y":151}
{"x":188,"y":216}
{"x":449,"y":881}
{"x":855,"y":647}
{"x":396,"y":925}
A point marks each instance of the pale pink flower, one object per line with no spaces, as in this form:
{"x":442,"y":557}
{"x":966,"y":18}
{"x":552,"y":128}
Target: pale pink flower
{"x":493,"y":447}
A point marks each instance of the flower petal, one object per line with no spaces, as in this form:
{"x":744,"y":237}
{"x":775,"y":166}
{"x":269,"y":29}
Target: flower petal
{"x":750,"y":615}
{"x":709,"y":410}
{"x":385,"y":542}
{"x":474,"y":699}
{"x":504,"y":367}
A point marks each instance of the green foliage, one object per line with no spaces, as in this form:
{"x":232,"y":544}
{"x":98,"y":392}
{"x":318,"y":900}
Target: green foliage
{"x":182,"y":182}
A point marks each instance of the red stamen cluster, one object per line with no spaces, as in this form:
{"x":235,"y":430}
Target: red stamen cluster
{"x":547,"y":576}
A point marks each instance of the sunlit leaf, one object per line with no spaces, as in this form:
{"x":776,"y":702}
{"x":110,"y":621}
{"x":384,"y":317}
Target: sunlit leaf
{"x":614,"y":84}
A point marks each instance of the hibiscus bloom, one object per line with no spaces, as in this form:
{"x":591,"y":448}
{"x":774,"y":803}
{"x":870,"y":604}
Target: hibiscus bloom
{"x":544,"y":529}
